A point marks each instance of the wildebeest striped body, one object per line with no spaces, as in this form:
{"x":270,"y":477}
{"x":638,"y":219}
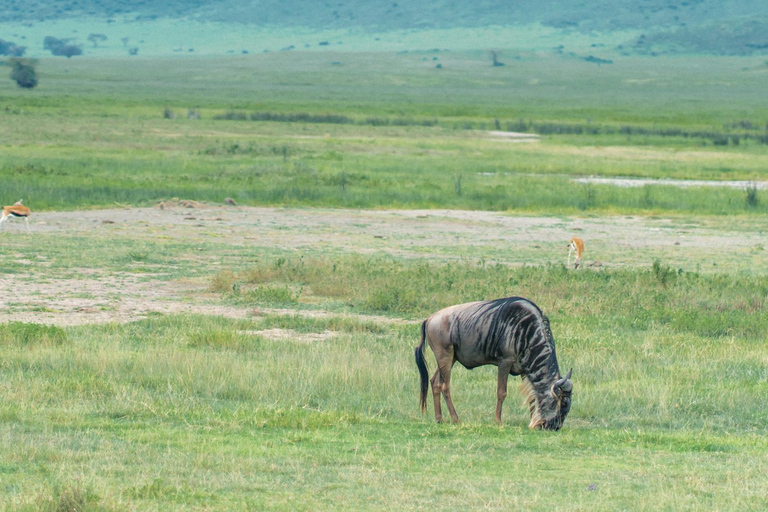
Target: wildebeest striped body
{"x":511,"y":333}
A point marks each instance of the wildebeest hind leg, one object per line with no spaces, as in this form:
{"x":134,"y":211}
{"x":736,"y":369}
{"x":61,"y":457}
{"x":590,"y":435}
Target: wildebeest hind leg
{"x":437,"y":389}
{"x":445,"y":376}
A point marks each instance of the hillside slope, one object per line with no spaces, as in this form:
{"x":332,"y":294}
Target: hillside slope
{"x":701,"y":26}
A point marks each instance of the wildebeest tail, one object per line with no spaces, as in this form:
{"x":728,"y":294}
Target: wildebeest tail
{"x":421,"y":364}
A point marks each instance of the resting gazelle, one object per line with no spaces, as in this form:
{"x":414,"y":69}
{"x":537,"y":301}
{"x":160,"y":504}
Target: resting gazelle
{"x":17,"y":210}
{"x":575,"y":245}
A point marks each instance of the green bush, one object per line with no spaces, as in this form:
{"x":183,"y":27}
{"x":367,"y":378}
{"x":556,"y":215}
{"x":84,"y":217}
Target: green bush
{"x":23,"y":72}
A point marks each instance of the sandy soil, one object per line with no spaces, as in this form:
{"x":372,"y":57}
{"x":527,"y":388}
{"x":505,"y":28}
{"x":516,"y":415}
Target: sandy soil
{"x":95,"y":294}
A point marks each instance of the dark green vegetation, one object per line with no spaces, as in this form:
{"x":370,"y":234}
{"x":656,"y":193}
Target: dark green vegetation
{"x":387,"y":131}
{"x":23,"y":72}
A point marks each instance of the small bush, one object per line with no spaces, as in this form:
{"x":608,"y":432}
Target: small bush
{"x":750,"y":196}
{"x":663,"y":273}
{"x":23,"y":72}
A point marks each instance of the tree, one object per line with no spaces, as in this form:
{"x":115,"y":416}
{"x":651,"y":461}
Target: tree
{"x":51,"y":43}
{"x":95,"y":38}
{"x":60,"y":47}
{"x":11,"y":49}
{"x":23,"y":71}
{"x":68,"y":50}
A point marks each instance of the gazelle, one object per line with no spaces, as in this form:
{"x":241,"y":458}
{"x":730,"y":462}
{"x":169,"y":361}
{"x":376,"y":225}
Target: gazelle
{"x":17,"y":210}
{"x":575,"y":245}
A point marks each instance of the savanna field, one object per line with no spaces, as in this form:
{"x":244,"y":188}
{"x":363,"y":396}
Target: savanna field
{"x":164,"y":349}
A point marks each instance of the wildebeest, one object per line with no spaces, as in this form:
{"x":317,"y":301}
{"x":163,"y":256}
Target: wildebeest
{"x":511,"y":333}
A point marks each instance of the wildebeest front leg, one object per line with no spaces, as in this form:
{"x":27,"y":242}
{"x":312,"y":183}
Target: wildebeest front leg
{"x":501,"y":388}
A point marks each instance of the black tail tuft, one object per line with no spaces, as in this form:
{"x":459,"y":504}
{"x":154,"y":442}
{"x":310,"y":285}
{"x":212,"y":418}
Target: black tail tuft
{"x":421,"y":364}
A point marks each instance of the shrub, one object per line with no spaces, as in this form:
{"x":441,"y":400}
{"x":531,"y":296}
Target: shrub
{"x":750,"y":196}
{"x":23,"y":72}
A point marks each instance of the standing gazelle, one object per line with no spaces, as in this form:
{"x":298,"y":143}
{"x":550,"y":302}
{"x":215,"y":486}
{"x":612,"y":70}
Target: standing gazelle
{"x":17,"y":210}
{"x":576,"y":245}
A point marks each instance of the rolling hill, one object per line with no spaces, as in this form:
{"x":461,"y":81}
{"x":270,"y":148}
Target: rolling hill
{"x":738,"y":27}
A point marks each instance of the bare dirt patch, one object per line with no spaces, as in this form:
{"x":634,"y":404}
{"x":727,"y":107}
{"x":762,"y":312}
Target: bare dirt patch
{"x":228,"y":237}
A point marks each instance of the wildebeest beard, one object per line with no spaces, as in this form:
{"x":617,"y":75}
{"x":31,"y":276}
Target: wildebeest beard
{"x":548,"y":408}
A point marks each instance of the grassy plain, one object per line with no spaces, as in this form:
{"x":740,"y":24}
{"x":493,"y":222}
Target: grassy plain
{"x":178,"y":412}
{"x":93,"y":132}
{"x":313,"y":403}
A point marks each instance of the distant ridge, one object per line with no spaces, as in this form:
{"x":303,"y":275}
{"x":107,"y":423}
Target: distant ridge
{"x":737,"y":27}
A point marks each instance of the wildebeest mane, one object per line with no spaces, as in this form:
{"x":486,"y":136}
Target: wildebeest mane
{"x":506,"y":322}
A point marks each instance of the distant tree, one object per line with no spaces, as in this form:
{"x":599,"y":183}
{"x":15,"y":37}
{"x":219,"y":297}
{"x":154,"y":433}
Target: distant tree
{"x":51,"y":43}
{"x":125,"y":41}
{"x":68,"y":50}
{"x":133,"y":51}
{"x":11,"y":49}
{"x":60,"y":47}
{"x":23,"y":71}
{"x":96,"y":38}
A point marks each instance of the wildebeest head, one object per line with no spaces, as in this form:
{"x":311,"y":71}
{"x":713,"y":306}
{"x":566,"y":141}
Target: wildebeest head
{"x":550,"y":407}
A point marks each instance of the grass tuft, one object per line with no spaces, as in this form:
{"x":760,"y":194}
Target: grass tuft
{"x":26,"y":334}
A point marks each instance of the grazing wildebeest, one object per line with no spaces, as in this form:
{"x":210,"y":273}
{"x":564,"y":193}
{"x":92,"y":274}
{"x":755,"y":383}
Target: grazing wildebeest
{"x":511,"y":333}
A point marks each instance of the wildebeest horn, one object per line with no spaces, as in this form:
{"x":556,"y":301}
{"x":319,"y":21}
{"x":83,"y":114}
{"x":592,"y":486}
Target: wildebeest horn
{"x":565,"y":383}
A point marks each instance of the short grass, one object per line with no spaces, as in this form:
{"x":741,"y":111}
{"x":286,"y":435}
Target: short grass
{"x":179,"y":412}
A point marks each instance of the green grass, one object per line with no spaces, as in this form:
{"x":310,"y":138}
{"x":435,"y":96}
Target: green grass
{"x":178,"y":412}
{"x":106,"y":140}
{"x":313,"y":403}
